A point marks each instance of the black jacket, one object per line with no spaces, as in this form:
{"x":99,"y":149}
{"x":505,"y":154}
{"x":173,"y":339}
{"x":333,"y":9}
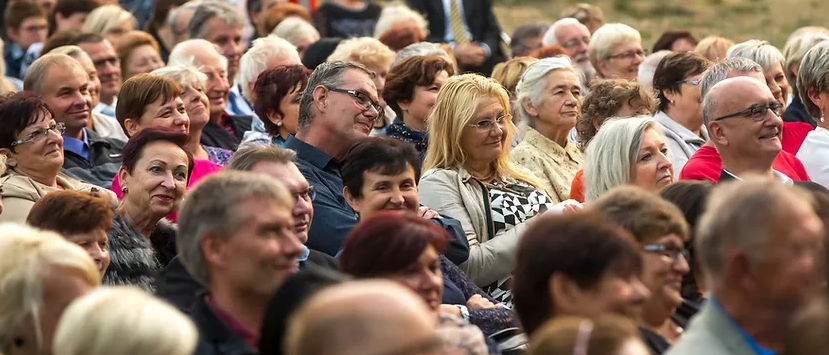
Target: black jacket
{"x":104,"y":161}
{"x":213,"y":135}
{"x":479,"y":19}
{"x":214,"y":337}
{"x":135,"y":260}
{"x":796,"y":112}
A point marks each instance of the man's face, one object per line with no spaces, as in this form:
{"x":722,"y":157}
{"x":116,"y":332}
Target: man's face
{"x":345,"y":117}
{"x":66,"y":92}
{"x":290,"y":176}
{"x":32,"y":30}
{"x":744,"y":135}
{"x":229,"y":41}
{"x":574,"y":39}
{"x":181,"y":23}
{"x":108,"y":66}
{"x":217,"y":85}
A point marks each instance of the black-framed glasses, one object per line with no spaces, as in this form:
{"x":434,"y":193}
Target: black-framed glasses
{"x":485,"y":125}
{"x":630,"y":55}
{"x":671,"y":252}
{"x":308,"y":194}
{"x":362,"y":100}
{"x":573,"y":43}
{"x":756,"y":112}
{"x":58,"y":128}
{"x":692,"y":82}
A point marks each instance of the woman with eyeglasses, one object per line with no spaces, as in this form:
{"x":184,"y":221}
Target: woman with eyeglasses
{"x":605,"y":335}
{"x":468,"y":176}
{"x":677,"y":85}
{"x":32,"y":144}
{"x":662,"y":233}
{"x":615,"y":50}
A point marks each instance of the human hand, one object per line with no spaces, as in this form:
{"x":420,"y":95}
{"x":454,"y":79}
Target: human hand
{"x":478,"y":302}
{"x":470,"y":54}
{"x":567,"y":207}
{"x":451,"y":309}
{"x":427,"y":213}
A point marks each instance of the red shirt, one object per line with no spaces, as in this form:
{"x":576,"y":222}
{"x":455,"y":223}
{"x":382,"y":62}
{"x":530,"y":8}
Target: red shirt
{"x":794,"y":133}
{"x":249,"y":337}
{"x":706,"y":164}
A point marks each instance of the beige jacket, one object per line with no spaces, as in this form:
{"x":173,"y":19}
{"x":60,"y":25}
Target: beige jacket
{"x":553,"y":165}
{"x":21,"y":192}
{"x":455,"y":193}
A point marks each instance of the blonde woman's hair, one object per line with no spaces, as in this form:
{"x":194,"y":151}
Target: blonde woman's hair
{"x":610,"y":158}
{"x":454,"y":109}
{"x":606,"y":38}
{"x":509,"y":73}
{"x":399,"y":14}
{"x":714,"y":47}
{"x":26,"y":254}
{"x":105,"y":17}
{"x":795,"y":50}
{"x":367,"y":51}
{"x":295,"y":29}
{"x":123,"y":320}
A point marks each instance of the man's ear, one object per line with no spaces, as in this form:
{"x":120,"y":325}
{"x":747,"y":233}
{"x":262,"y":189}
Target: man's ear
{"x":11,"y":33}
{"x":320,"y":95}
{"x":211,"y":249}
{"x":716,"y":132}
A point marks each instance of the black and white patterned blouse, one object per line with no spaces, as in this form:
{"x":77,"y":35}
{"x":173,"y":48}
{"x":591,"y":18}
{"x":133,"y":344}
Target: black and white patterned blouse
{"x":512,"y":205}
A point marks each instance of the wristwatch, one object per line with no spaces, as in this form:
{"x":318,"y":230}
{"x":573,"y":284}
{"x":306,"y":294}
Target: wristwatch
{"x":464,"y":312}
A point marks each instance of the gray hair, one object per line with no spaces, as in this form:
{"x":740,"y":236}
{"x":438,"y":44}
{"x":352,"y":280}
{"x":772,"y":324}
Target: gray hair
{"x":173,"y":16}
{"x":294,"y":29}
{"x":246,"y":158}
{"x":35,"y":77}
{"x":524,"y":32}
{"x":814,"y":76}
{"x":606,"y":38}
{"x":795,"y":50}
{"x":182,"y":52}
{"x":206,"y":10}
{"x":732,"y":219}
{"x":534,"y":81}
{"x":611,"y":155}
{"x":422,"y":48}
{"x":647,"y":69}
{"x":70,"y":50}
{"x":256,"y":59}
{"x":761,"y":52}
{"x":186,"y":75}
{"x":327,"y":74}
{"x":550,"y":36}
{"x":719,"y":72}
{"x":212,"y":207}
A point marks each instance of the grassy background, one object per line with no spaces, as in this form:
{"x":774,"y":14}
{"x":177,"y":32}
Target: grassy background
{"x":740,"y":20}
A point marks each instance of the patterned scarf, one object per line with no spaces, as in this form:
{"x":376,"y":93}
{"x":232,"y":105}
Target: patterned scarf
{"x":399,"y":131}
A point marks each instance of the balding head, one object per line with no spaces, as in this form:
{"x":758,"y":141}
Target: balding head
{"x":205,"y":56}
{"x":195,"y":51}
{"x":363,"y":318}
{"x":36,"y":74}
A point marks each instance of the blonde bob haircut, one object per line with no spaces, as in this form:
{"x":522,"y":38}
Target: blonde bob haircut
{"x":610,"y":158}
{"x":714,"y":47}
{"x":454,"y":109}
{"x":399,"y":14}
{"x":123,"y":320}
{"x":106,"y":17}
{"x":509,"y":73}
{"x":795,"y":50}
{"x":367,"y":51}
{"x":813,"y":77}
{"x":761,"y":52}
{"x":606,"y":39}
{"x":26,"y":254}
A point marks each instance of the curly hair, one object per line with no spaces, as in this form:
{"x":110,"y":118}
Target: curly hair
{"x":604,"y":101}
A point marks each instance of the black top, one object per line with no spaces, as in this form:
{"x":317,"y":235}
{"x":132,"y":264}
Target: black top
{"x":214,"y":135}
{"x":334,"y":20}
{"x":796,"y":112}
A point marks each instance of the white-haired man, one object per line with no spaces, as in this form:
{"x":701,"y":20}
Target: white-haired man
{"x":574,"y":37}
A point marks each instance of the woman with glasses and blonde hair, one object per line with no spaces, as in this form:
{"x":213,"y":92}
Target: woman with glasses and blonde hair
{"x":468,"y":176}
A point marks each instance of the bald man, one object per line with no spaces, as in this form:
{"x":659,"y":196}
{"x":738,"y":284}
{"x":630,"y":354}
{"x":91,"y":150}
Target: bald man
{"x":363,"y":318}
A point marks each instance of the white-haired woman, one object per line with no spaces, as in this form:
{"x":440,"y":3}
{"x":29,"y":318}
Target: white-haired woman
{"x":772,"y":61}
{"x":41,"y":273}
{"x":616,"y":51}
{"x":110,"y":21}
{"x":629,"y":151}
{"x":813,"y":86}
{"x":298,"y":32}
{"x":396,"y":15}
{"x":549,"y":99}
{"x":123,"y":321}
{"x":794,"y":51}
{"x":468,"y":176}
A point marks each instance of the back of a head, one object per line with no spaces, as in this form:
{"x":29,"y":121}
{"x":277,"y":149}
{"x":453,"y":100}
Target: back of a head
{"x":713,"y":47}
{"x":761,"y":52}
{"x":644,"y":214}
{"x":608,"y":334}
{"x":666,"y":41}
{"x":295,"y":29}
{"x":123,"y":318}
{"x":361,"y":317}
{"x":397,"y":14}
{"x":367,"y":51}
{"x":520,"y":38}
{"x":609,"y":158}
{"x":647,"y":68}
{"x":208,"y":9}
{"x":71,"y":212}
{"x":509,"y":73}
{"x":184,"y":52}
{"x":264,"y":51}
{"x":105,"y":17}
{"x":318,"y":52}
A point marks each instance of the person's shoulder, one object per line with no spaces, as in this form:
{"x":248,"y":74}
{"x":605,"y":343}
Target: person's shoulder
{"x":19,"y":186}
{"x":439,"y":174}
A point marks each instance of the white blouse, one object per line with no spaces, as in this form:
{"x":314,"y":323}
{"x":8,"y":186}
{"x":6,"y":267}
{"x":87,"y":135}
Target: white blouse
{"x":814,"y":153}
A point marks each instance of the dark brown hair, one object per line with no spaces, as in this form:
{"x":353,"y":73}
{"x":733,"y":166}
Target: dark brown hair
{"x":387,"y":156}
{"x":666,"y":41}
{"x":139,"y":92}
{"x":413,"y":71}
{"x":19,"y":11}
{"x":272,"y":86}
{"x":18,"y":111}
{"x":645,"y":215}
{"x":135,"y":146}
{"x":161,"y":9}
{"x":584,"y":247}
{"x":71,"y":212}
{"x":59,"y":39}
{"x":674,"y":68}
{"x":605,"y":99}
{"x":67,"y":8}
{"x":270,"y":18}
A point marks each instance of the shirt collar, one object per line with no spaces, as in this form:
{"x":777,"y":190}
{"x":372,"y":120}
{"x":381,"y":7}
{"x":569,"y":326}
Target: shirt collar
{"x":759,"y":350}
{"x":309,"y":153}
{"x":546,"y":145}
{"x":250,"y":337}
{"x":76,"y":145}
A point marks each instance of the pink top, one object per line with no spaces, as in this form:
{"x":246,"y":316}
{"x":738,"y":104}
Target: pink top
{"x":201,"y":168}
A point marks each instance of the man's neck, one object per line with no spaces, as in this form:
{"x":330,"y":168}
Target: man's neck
{"x":74,"y":133}
{"x":107,"y":100}
{"x":740,"y":167}
{"x":764,"y":324}
{"x":328,"y":145}
{"x":217,"y":117}
{"x":246,"y":310}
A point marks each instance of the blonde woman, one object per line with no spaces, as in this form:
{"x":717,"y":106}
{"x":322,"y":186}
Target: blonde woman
{"x":468,"y":176}
{"x":714,"y":48}
{"x":298,"y":32}
{"x":110,"y":21}
{"x":123,"y":321}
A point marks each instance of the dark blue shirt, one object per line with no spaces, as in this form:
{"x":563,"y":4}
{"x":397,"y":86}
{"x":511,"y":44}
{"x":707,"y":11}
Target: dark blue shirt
{"x":77,"y":146}
{"x":333,"y":217}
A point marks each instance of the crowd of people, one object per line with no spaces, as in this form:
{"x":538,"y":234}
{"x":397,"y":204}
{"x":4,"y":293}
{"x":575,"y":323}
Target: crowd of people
{"x":210,"y":177}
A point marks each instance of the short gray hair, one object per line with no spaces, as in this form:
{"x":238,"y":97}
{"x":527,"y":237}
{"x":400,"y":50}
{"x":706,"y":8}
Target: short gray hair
{"x":294,"y":29}
{"x":718,"y":72}
{"x":211,"y":207}
{"x":327,"y":74}
{"x":35,"y":77}
{"x":606,"y":38}
{"x":534,"y":81}
{"x":550,"y":36}
{"x":422,"y":48}
{"x":255,"y":60}
{"x":761,"y":52}
{"x":518,"y":43}
{"x":647,"y":68}
{"x":209,"y":9}
{"x":246,"y":158}
{"x":795,"y":50}
{"x":814,"y":76}
{"x":185,"y":75}
{"x":732,"y":219}
{"x":611,"y":155}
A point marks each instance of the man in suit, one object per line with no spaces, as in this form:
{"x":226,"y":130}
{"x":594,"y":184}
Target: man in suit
{"x":469,"y":26}
{"x":761,"y":246}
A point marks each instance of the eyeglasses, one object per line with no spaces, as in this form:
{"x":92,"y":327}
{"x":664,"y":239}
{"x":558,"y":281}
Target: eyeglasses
{"x":485,"y":125}
{"x":692,"y":82}
{"x":58,"y":128}
{"x":362,"y":100}
{"x":575,"y":42}
{"x":757,"y":112}
{"x":308,"y":194}
{"x":630,"y":55}
{"x":668,"y":251}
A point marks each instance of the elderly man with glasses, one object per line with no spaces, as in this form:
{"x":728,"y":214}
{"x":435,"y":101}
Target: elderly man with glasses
{"x":574,"y":37}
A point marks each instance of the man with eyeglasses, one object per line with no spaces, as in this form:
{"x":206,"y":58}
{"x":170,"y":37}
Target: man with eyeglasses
{"x":339,"y":106}
{"x":109,"y":69}
{"x":574,"y":37}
